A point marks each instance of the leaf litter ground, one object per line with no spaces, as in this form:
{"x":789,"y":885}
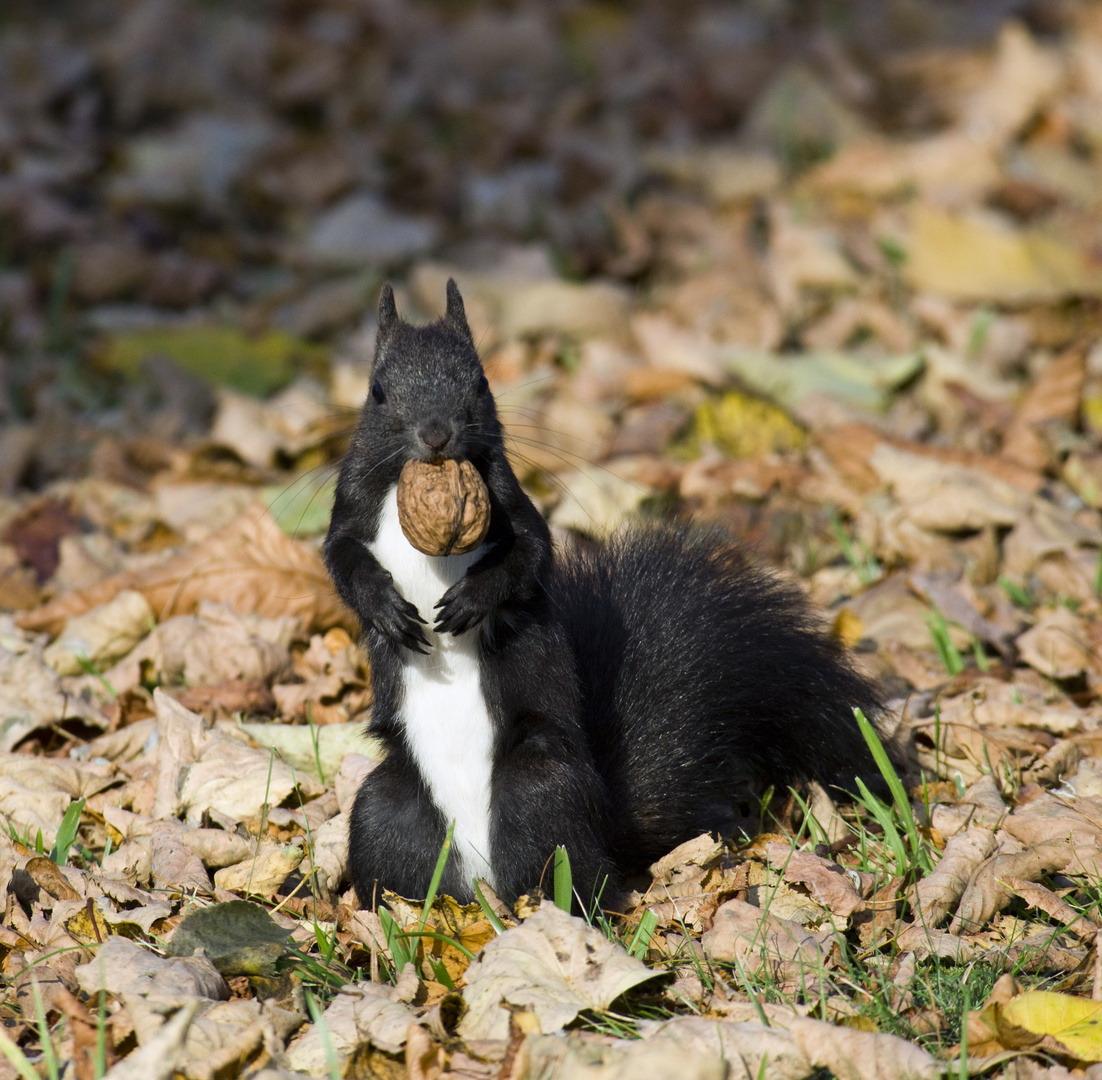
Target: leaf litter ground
{"x":831,"y":283}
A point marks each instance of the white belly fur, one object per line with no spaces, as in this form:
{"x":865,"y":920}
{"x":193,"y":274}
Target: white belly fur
{"x":447,"y":726}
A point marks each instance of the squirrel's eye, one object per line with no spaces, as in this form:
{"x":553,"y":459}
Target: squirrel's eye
{"x":377,"y":392}
{"x":483,"y":384}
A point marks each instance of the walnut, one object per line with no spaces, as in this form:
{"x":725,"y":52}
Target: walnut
{"x":443,"y":509}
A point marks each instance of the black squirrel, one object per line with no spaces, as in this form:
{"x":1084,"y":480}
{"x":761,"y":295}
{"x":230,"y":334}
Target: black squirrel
{"x":608,"y":699}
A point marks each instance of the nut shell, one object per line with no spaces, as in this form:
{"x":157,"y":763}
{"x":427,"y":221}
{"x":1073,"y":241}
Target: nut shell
{"x":443,"y":509}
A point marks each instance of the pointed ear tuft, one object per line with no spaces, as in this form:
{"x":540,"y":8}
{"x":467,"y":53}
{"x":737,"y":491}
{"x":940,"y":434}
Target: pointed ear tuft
{"x":456,"y":314}
{"x":388,"y":311}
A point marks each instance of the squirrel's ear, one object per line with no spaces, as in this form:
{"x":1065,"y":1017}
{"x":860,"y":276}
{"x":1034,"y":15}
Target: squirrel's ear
{"x":456,"y":314}
{"x":388,"y":312}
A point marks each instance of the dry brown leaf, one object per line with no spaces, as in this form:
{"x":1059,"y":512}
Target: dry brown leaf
{"x":49,"y":876}
{"x":944,"y":496}
{"x":214,"y":646}
{"x":101,"y":636}
{"x":35,"y":792}
{"x":250,"y":565}
{"x":1046,"y":816}
{"x":121,"y":966}
{"x":687,"y":858}
{"x":366,"y":1012}
{"x":749,"y":1048}
{"x":1037,"y":896}
{"x":700,"y":1055}
{"x":1055,"y":395}
{"x":263,"y":873}
{"x":851,"y":1054}
{"x":554,"y":964}
{"x":174,"y":867}
{"x":828,"y":883}
{"x":223,"y":1039}
{"x":934,"y":896}
{"x":236,"y":781}
{"x":851,"y":445}
{"x":759,"y":940}
{"x":1056,"y":645}
{"x":924,"y":941}
{"x":1057,"y":762}
{"x":32,"y":696}
{"x":987,"y":892}
{"x":215,"y":847}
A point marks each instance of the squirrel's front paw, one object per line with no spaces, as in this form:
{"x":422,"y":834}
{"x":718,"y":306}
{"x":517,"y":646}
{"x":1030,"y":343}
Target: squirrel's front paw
{"x":464,"y":605}
{"x":400,"y":621}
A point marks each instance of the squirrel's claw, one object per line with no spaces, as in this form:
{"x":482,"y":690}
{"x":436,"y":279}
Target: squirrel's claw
{"x":457,"y":612}
{"x":400,"y":621}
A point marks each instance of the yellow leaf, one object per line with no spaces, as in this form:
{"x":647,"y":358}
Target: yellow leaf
{"x":975,"y":259}
{"x":848,"y":627}
{"x":221,"y":355}
{"x":1074,"y":1021}
{"x":746,"y":427}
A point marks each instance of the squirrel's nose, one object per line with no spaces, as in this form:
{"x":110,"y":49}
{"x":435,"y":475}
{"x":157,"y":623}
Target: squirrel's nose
{"x":435,"y":435}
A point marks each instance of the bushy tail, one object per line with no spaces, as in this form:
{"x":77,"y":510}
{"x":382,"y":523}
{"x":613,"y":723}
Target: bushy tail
{"x":701,"y":670}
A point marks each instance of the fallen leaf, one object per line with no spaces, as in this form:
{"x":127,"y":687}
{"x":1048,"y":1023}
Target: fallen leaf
{"x":162,"y":1055}
{"x":1075,"y":1022}
{"x":851,"y":1054}
{"x":215,"y":645}
{"x":1056,"y":645}
{"x":987,"y":892}
{"x":944,"y":496}
{"x":32,"y":696}
{"x":1055,"y":395}
{"x":553,"y":964}
{"x":249,"y":565}
{"x":936,"y":894}
{"x":744,"y":427}
{"x":238,"y":937}
{"x":220,"y":355}
{"x":828,"y":883}
{"x":792,"y":380}
{"x":101,"y":636}
{"x":972,"y":258}
{"x":321,"y":748}
{"x":761,"y":941}
{"x":122,"y":966}
{"x":263,"y":873}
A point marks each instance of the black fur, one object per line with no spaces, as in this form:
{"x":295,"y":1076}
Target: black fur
{"x":631,"y":685}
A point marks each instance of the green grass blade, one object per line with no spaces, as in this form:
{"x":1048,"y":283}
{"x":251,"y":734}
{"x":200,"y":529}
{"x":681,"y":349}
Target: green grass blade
{"x":441,"y":973}
{"x":641,"y":938}
{"x":564,"y":880}
{"x":948,"y":653}
{"x":895,"y":785}
{"x":17,"y":1058}
{"x":437,"y":874}
{"x":67,"y":833}
{"x":49,"y":1054}
{"x":100,"y":1067}
{"x":395,"y":941}
{"x":318,"y":1018}
{"x":1018,"y":596}
{"x":494,"y":921}
{"x":435,"y":935}
{"x":883,"y":818}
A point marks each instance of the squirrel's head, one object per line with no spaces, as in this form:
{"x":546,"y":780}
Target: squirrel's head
{"x":429,"y":395}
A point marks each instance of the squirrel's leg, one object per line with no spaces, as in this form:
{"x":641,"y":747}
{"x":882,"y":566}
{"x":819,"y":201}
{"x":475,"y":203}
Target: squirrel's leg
{"x":546,"y":795}
{"x":367,"y":587}
{"x":546,"y":789}
{"x":395,"y":834}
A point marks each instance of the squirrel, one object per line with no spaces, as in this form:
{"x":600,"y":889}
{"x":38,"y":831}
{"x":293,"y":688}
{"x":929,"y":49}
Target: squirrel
{"x":608,"y":699}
